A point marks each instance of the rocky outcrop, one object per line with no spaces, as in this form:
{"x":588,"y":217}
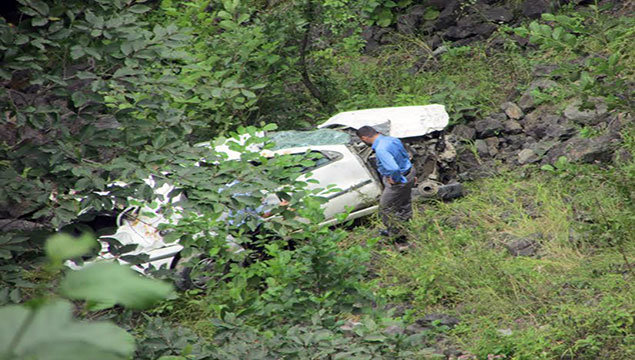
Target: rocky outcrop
{"x":523,"y":134}
{"x":591,"y":114}
{"x":450,"y":20}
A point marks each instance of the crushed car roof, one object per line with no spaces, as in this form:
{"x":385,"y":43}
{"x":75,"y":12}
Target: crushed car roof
{"x":293,"y":138}
{"x":401,"y":122}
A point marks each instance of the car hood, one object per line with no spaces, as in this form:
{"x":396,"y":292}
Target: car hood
{"x":400,"y":122}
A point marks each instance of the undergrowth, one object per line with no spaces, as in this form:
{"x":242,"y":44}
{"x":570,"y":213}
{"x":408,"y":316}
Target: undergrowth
{"x":573,"y":299}
{"x":471,"y":81}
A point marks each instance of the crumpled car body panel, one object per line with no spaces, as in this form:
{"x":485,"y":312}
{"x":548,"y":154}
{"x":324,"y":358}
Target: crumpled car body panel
{"x":402,"y":122}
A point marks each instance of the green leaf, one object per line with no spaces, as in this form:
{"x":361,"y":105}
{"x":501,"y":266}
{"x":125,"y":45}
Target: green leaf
{"x":60,"y":247}
{"x":126,"y":71}
{"x":431,"y":14}
{"x":270,"y":127}
{"x":384,"y":18}
{"x":126,"y":48}
{"x":614,"y":59}
{"x":247,"y":93}
{"x":77,"y":51}
{"x":547,"y":167}
{"x":79,"y":98}
{"x":50,"y":333}
{"x":39,"y":6}
{"x":109,"y":283}
{"x":39,"y":21}
{"x":96,"y":21}
{"x":139,"y":9}
{"x":548,"y":17}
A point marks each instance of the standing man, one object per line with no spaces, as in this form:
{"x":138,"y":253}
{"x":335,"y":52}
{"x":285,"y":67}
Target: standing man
{"x":398,"y":176}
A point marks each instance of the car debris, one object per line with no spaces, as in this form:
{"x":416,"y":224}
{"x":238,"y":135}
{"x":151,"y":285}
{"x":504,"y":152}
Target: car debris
{"x":344,"y":161}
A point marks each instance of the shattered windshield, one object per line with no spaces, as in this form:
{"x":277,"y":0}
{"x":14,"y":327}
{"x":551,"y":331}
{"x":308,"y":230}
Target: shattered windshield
{"x":292,"y":138}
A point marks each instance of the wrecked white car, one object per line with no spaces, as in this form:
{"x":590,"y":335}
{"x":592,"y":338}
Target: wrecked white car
{"x":344,"y":162}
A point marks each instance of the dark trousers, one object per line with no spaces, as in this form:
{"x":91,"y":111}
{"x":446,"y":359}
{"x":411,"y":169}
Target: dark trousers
{"x":395,"y":204}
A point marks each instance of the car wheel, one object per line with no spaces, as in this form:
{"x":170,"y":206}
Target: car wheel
{"x":194,"y":272}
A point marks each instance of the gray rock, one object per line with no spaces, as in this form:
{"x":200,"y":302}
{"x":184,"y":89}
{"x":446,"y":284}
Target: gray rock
{"x":536,"y":122}
{"x":409,"y":22}
{"x":542,"y":147}
{"x":447,"y":17}
{"x":438,"y":4}
{"x":464,"y":132}
{"x":488,"y":127}
{"x":560,"y":132}
{"x":515,"y":142}
{"x":544,"y":70}
{"x":498,"y":116}
{"x":481,"y":148}
{"x":457,"y":33}
{"x":534,"y":8}
{"x":394,"y":330}
{"x":498,"y":14}
{"x":527,"y":246}
{"x":484,"y":29}
{"x":527,"y":101}
{"x":512,"y":110}
{"x":542,"y":84}
{"x":492,"y":145}
{"x":439,"y":319}
{"x":415,"y":329}
{"x":527,"y":156}
{"x":585,"y":150}
{"x":512,"y":127}
{"x":594,"y":116}
{"x":369,"y":35}
{"x":467,"y":161}
{"x":468,"y":27}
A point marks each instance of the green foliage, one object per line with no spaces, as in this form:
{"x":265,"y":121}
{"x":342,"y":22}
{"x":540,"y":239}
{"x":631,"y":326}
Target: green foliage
{"x":62,"y":247}
{"x":86,"y":82}
{"x":50,"y":332}
{"x":109,"y":284}
{"x":575,"y":35}
{"x":317,"y":339}
{"x":380,"y":12}
{"x":461,"y":79}
{"x":46,"y":330}
{"x":573,"y":299}
{"x":98,"y":96}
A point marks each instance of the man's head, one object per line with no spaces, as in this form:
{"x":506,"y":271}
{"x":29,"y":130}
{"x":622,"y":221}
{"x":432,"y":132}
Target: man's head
{"x":367,"y":134}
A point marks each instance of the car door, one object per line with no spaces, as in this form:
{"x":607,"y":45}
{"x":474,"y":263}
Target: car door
{"x":356,"y":187}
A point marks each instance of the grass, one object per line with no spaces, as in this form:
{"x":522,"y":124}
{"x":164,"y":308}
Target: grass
{"x":469,"y":80}
{"x":574,"y":299}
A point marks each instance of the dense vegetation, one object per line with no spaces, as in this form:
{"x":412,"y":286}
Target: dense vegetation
{"x":100,"y":95}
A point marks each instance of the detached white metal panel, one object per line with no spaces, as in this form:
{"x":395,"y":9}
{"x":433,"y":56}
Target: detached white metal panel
{"x":405,"y":121}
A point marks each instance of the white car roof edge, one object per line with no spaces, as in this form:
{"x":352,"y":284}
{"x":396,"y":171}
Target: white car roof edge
{"x":405,"y":121}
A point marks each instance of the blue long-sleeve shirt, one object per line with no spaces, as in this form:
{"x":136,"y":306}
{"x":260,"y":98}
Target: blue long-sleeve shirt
{"x":392,"y":158}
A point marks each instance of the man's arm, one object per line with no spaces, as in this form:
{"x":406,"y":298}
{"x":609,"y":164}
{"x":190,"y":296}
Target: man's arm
{"x":389,"y":164}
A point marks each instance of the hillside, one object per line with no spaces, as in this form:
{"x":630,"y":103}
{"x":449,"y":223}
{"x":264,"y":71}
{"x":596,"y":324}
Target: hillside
{"x":535,"y":261}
